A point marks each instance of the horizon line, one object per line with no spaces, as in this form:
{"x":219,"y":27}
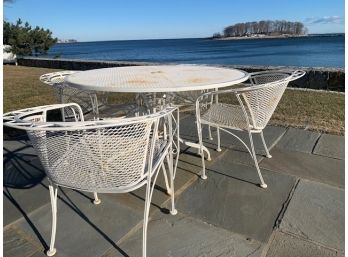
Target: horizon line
{"x":107,"y":40}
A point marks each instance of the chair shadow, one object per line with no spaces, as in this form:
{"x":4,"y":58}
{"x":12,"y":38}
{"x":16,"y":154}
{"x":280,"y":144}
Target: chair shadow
{"x":78,"y":211}
{"x":9,"y":196}
{"x":23,"y":171}
{"x":210,"y":170}
{"x":20,"y":172}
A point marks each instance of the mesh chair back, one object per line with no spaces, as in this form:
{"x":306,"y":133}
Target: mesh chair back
{"x":100,"y":159}
{"x":186,"y":100}
{"x":263,"y":100}
{"x":96,"y":156}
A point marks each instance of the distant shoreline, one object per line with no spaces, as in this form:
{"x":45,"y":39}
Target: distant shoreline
{"x":278,"y":36}
{"x":258,"y":37}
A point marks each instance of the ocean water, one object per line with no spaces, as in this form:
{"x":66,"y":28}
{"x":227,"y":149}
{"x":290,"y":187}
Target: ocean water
{"x":313,"y":51}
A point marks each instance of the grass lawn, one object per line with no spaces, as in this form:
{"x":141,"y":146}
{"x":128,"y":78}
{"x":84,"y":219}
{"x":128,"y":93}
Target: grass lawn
{"x":318,"y":111}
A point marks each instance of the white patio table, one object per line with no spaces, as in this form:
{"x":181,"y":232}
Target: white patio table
{"x":157,"y":79}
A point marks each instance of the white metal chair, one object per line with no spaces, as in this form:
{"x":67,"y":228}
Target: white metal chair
{"x":65,"y":94}
{"x":252,"y":109}
{"x":95,"y":103}
{"x":106,"y":156}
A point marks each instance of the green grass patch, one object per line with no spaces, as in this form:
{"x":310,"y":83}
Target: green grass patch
{"x":319,"y":111}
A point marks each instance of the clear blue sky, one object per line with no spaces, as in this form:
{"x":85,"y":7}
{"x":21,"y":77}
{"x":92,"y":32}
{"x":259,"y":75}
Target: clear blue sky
{"x":88,"y":20}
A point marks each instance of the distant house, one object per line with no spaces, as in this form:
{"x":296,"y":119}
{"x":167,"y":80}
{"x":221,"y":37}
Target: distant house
{"x":8,"y":56}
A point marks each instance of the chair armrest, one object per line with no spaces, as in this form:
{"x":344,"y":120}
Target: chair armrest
{"x":39,"y":113}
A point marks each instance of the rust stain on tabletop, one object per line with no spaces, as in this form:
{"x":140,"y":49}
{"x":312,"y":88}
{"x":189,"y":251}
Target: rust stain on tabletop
{"x":197,"y":80}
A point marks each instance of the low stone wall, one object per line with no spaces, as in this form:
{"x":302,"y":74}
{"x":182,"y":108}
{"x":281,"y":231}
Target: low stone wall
{"x":316,"y":78}
{"x":72,"y":64}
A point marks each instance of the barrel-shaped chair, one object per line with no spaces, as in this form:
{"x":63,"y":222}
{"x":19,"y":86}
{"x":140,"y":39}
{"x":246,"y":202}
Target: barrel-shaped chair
{"x":102,"y":156}
{"x":252,"y":107}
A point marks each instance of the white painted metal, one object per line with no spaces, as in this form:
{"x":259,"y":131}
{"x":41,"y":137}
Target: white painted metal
{"x":163,"y":78}
{"x":90,"y":101}
{"x":53,"y":195}
{"x":255,"y":104}
{"x":65,"y":94}
{"x":107,"y":156}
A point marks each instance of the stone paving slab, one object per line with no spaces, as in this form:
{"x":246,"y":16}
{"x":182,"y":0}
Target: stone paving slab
{"x":19,"y":203}
{"x":240,"y":157}
{"x":298,"y":140}
{"x":83,"y":229}
{"x":18,"y":146}
{"x":285,"y":245}
{"x":231,"y":199}
{"x":316,"y":212}
{"x":188,"y":128}
{"x":39,"y":254}
{"x":23,"y":180}
{"x":309,"y":166}
{"x":14,"y":245}
{"x":331,"y":146}
{"x":181,"y":236}
{"x":24,"y":187}
{"x":135,"y":199}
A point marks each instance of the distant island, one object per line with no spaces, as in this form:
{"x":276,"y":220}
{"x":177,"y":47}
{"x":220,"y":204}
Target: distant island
{"x":262,"y":29}
{"x":66,"y":41}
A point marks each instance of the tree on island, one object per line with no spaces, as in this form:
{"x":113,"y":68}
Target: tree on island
{"x":270,"y":28}
{"x":24,"y":40}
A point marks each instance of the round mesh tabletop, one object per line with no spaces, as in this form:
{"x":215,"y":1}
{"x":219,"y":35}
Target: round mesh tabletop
{"x":162,"y":78}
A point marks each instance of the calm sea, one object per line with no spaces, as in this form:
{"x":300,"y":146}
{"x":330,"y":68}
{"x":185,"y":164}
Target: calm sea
{"x":314,"y":51}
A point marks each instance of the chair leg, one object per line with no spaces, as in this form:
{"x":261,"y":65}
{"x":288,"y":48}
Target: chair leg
{"x":146,"y":216}
{"x":169,"y":189}
{"x":219,"y":141}
{"x":201,"y":152}
{"x":209,"y":130}
{"x":96,"y":200}
{"x":173,"y":211}
{"x":263,"y":184}
{"x":53,"y":195}
{"x":265,"y":146}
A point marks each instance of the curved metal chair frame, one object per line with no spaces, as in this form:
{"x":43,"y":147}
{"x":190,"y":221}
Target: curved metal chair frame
{"x":65,"y":94}
{"x":92,"y":102}
{"x":107,"y":156}
{"x":254,"y":107}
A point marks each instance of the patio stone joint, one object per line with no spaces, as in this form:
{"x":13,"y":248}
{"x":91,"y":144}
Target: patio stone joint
{"x":269,"y":243}
{"x":285,"y":205}
{"x":311,"y":241}
{"x":277,"y":139}
{"x":30,"y":239}
{"x":315,"y":144}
